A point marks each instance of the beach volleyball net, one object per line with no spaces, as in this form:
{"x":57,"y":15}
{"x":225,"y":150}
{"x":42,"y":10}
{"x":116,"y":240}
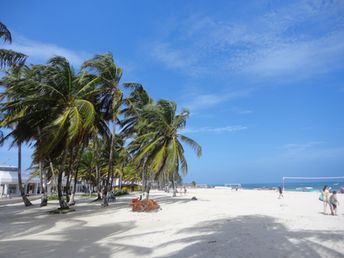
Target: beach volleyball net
{"x":334,"y":180}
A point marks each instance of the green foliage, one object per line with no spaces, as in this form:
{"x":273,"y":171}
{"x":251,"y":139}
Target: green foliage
{"x":120,"y":192}
{"x":158,"y":144}
{"x":66,"y":116}
{"x":53,"y":197}
{"x":134,"y":188}
{"x":9,"y":57}
{"x":87,"y":195}
{"x":5,"y":34}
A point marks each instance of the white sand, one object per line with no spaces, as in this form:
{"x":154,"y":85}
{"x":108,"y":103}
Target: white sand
{"x":221,"y":223}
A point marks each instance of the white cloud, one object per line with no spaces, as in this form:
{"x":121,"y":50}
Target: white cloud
{"x":174,"y":58}
{"x":307,"y":153}
{"x":203,"y":101}
{"x":308,"y":57}
{"x":41,"y":52}
{"x":241,"y":111}
{"x":295,"y":148}
{"x":301,"y":39}
{"x":225,"y":129}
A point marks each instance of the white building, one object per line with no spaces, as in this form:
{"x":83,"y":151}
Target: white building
{"x":9,"y":182}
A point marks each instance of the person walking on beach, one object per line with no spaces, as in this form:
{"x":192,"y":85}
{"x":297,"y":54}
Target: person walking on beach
{"x":184,"y":188}
{"x":325,"y":198}
{"x":334,"y":203}
{"x":280,"y":190}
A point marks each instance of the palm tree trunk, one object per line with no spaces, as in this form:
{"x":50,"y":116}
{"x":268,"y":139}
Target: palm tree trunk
{"x":70,"y":170}
{"x":76,"y":166}
{"x":120,"y":178}
{"x":110,"y":172}
{"x":72,"y":198}
{"x":22,"y":191}
{"x":53,"y":185}
{"x":97,"y":168}
{"x":174,"y":186}
{"x":112,"y":178}
{"x":68,"y":181}
{"x":143,"y":181}
{"x":62,"y":202}
{"x":148,"y":190}
{"x":43,"y":175}
{"x":98,"y":182}
{"x":43,"y":179}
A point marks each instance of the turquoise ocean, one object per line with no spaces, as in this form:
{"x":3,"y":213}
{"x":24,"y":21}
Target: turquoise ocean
{"x":299,"y":185}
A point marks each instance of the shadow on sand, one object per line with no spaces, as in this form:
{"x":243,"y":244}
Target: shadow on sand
{"x":253,"y":236}
{"x":32,"y":233}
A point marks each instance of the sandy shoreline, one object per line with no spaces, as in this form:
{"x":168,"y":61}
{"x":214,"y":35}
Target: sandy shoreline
{"x":221,"y":223}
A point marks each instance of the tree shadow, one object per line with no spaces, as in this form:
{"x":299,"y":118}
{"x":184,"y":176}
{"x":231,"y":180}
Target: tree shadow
{"x":253,"y":236}
{"x":18,"y":221}
{"x":76,"y":240}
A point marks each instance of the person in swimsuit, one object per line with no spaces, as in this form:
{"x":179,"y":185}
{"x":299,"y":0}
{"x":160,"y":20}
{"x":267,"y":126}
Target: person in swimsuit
{"x":326,"y":196}
{"x":280,"y":190}
{"x":334,"y":203}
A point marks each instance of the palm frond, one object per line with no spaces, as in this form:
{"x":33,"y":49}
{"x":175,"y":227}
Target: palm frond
{"x":194,"y":145}
{"x":5,"y":34}
{"x":11,"y":58}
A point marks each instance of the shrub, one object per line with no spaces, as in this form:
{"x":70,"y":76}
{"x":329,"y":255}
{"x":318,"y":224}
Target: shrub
{"x":120,"y":192}
{"x":53,"y":197}
{"x":87,"y":195}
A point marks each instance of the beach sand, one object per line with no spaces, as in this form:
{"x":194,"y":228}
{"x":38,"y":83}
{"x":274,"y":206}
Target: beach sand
{"x":221,"y":223}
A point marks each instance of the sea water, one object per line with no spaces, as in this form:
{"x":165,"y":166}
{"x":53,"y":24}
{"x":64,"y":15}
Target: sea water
{"x":300,"y":185}
{"x":303,"y":186}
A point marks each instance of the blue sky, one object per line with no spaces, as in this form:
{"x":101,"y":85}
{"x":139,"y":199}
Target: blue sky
{"x":263,"y":79}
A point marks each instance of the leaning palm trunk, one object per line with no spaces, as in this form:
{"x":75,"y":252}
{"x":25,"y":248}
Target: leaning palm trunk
{"x":72,"y":198}
{"x":69,"y":176}
{"x":22,"y":191}
{"x":121,"y":178}
{"x":148,"y":190}
{"x":76,"y":166}
{"x":99,"y":197}
{"x":62,"y":202}
{"x":68,"y":181}
{"x":53,"y":184}
{"x":143,"y":181}
{"x":110,"y":172}
{"x":174,"y":186}
{"x":43,"y":176}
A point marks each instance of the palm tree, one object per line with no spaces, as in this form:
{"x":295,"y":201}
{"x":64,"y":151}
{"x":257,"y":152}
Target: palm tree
{"x":61,"y":106}
{"x":135,"y":103}
{"x":10,"y":81}
{"x":5,"y":34}
{"x":9,"y":57}
{"x":159,"y":144}
{"x":74,"y":113}
{"x":103,"y":69}
{"x":133,"y":121}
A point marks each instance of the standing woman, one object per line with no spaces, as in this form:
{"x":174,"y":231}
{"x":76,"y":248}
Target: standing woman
{"x":326,"y":197}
